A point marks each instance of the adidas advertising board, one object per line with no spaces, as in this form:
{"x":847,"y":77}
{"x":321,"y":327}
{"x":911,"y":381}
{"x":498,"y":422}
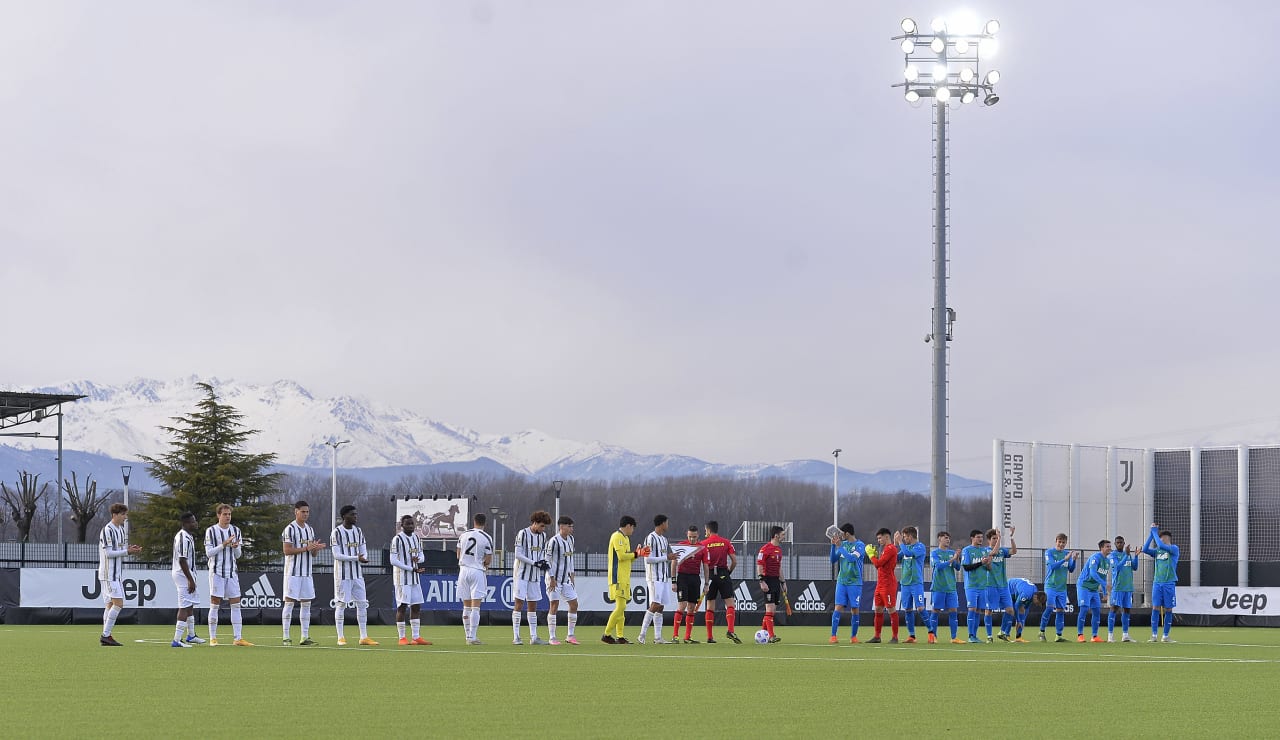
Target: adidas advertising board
{"x":808,"y":600}
{"x":259,"y":593}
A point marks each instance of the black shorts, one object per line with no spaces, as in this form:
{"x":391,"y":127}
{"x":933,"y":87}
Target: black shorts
{"x":721,"y":586}
{"x":688,"y":587}
{"x":774,"y":594}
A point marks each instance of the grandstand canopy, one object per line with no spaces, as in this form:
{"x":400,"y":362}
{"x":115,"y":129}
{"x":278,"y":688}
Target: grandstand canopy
{"x":22,"y":408}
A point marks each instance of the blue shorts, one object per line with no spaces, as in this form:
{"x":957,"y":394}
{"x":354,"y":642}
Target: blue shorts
{"x":977,"y":599}
{"x":1089,"y":599}
{"x":1122,"y":599}
{"x":944,"y":600}
{"x":1164,"y":595}
{"x":1055,"y":600}
{"x":913,"y":597}
{"x":848,"y":595}
{"x":998,"y":598}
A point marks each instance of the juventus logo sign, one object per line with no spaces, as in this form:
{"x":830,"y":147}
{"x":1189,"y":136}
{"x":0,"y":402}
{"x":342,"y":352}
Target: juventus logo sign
{"x":1126,"y":480}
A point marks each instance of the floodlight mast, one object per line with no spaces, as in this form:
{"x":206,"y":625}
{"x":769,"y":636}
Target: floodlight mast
{"x":944,"y":63}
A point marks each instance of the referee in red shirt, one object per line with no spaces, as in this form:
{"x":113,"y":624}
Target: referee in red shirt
{"x":688,"y":586}
{"x":769,"y":571}
{"x":719,"y":559}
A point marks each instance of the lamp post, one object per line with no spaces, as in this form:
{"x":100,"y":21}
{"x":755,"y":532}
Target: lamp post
{"x":502,"y":516}
{"x":835,"y":485}
{"x":126,"y":470}
{"x":333,"y":467}
{"x":945,"y":64}
{"x":557,"y":484}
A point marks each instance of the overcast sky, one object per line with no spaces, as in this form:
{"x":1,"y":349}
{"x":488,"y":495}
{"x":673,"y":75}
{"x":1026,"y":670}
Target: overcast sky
{"x":691,"y":227}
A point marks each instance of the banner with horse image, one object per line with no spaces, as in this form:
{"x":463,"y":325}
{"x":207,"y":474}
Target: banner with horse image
{"x":436,"y":520}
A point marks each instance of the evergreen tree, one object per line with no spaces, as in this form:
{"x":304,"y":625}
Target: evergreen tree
{"x":206,"y":467}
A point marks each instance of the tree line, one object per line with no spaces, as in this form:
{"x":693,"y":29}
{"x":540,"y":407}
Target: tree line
{"x":206,"y":465}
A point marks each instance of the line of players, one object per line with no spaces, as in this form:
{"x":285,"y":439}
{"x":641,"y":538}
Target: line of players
{"x":1106,"y":577}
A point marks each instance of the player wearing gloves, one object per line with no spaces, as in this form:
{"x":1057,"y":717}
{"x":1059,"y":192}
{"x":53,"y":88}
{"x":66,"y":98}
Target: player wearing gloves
{"x":885,"y":558}
{"x":526,"y":586}
{"x":620,"y":557}
{"x":848,"y":551}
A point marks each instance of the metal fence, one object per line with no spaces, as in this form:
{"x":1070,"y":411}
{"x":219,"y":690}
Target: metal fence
{"x":801,"y":561}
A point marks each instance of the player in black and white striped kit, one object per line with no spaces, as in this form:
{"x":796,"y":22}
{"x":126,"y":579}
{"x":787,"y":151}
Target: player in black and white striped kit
{"x":406,"y":561}
{"x":350,"y":553}
{"x":184,"y":580}
{"x":114,"y":545}
{"x":657,"y":576}
{"x":475,"y":552}
{"x":560,"y":581}
{"x":299,"y":543}
{"x":526,"y":585}
{"x":223,"y":545}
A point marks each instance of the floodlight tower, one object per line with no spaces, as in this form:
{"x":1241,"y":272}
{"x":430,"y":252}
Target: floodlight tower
{"x":945,"y":64}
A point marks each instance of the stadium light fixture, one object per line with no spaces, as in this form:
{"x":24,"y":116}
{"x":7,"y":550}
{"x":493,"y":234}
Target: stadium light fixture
{"x":557,"y":484}
{"x":835,"y":486}
{"x":333,"y":477}
{"x":125,"y":472}
{"x":954,"y":50}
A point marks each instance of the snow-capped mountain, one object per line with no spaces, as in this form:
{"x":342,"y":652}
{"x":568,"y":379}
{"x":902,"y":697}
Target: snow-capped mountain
{"x":125,"y":422}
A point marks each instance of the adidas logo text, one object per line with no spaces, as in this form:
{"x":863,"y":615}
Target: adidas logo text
{"x":261,"y":595}
{"x":743,"y":596}
{"x":810,"y":600}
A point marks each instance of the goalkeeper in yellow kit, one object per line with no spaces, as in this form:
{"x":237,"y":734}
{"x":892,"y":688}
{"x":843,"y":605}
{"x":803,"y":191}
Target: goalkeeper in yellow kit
{"x":620,"y":557}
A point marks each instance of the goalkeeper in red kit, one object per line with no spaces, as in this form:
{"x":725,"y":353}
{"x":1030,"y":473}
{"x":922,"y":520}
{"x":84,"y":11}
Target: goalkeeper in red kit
{"x":769,"y":571}
{"x":886,"y":561}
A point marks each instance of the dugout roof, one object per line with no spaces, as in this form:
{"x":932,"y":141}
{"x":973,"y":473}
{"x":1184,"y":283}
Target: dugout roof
{"x":21,"y":408}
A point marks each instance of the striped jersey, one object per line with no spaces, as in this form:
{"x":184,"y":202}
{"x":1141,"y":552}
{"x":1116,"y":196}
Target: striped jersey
{"x":298,"y":535}
{"x":347,"y":545}
{"x":222,"y":560}
{"x":560,"y":556}
{"x":184,"y":546}
{"x":529,"y":544}
{"x":660,"y":570}
{"x":114,"y":542}
{"x":473,"y":547}
{"x":406,"y":551}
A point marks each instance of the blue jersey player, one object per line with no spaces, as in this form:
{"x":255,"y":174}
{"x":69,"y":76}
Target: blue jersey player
{"x":1058,"y":562}
{"x":1164,"y":583}
{"x":847,"y":552}
{"x":998,"y":598}
{"x":1091,"y":590}
{"x":1124,"y":561}
{"x":911,"y":557}
{"x":946,"y":563}
{"x":1024,"y":595}
{"x":977,"y":571}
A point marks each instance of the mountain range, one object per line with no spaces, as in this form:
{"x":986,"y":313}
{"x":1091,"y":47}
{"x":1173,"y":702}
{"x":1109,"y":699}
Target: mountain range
{"x":114,"y":425}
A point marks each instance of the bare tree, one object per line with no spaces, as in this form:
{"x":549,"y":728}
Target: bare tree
{"x":24,"y":501}
{"x":84,"y":505}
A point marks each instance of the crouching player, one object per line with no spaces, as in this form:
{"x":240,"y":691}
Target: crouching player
{"x":1024,"y":595}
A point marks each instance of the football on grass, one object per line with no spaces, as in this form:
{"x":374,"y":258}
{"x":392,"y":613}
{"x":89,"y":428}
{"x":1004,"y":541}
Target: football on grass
{"x":762,"y":636}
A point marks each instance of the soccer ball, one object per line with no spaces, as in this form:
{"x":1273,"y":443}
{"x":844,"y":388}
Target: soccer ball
{"x":762,"y":636}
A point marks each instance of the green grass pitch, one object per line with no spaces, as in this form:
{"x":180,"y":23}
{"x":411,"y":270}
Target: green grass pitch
{"x":60,"y":681}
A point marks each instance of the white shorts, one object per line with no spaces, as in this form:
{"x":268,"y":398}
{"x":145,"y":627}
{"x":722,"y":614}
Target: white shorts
{"x":350,"y":591}
{"x":112,"y":590}
{"x":223,"y":588}
{"x":564,"y":591}
{"x":472,"y":584}
{"x":185,"y":599}
{"x":660,"y":593}
{"x":299,"y":588}
{"x":526,"y":590}
{"x":409,"y":594}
